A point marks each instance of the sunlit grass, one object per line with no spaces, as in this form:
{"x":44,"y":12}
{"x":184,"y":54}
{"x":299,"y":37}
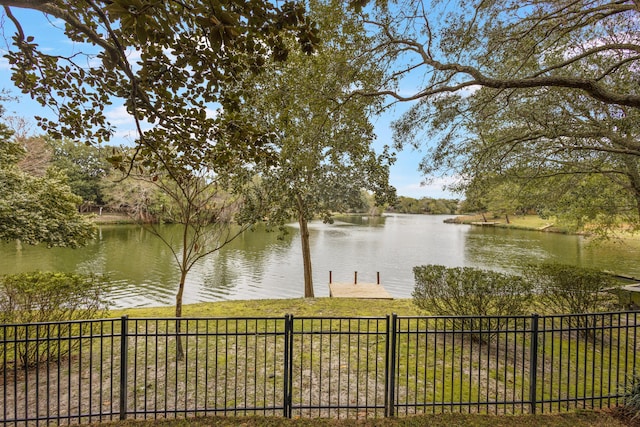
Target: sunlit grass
{"x":533,"y":222}
{"x":551,"y":224}
{"x":433,"y":371}
{"x":299,"y":307}
{"x":239,"y":363}
{"x":525,"y":222}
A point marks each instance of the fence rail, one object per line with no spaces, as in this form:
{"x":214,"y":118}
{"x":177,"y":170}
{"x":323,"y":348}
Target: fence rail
{"x":88,"y":371}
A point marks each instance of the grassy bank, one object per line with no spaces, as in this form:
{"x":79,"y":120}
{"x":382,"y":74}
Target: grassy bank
{"x":110,"y":218}
{"x":535,"y":223}
{"x":573,"y":419}
{"x":521,"y":222}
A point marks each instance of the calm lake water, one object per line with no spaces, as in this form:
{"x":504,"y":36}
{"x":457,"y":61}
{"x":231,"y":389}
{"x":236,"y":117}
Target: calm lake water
{"x":260,"y":265}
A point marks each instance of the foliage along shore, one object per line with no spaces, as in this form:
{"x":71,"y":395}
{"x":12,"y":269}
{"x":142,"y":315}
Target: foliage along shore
{"x":520,"y":222}
{"x":536,"y":223}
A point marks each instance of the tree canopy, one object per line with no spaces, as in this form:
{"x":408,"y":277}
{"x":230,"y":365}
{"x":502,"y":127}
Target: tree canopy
{"x":425,"y":205}
{"x":169,"y":63}
{"x":561,"y":155}
{"x":461,"y":45}
{"x":321,"y":135}
{"x":535,"y":102}
{"x":85,"y":165}
{"x":37,"y":209}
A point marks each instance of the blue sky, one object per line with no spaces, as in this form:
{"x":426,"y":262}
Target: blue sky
{"x":404,"y":173}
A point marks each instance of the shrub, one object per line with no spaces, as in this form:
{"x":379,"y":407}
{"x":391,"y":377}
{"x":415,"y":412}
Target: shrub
{"x":570,"y":289}
{"x":567,"y":289}
{"x":466,"y":291}
{"x":28,"y":300}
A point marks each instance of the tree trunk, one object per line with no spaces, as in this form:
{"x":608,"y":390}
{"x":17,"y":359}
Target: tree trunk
{"x":507,"y":218}
{"x":179,"y":348}
{"x":633,"y":174}
{"x":184,"y":270}
{"x":306,"y":257}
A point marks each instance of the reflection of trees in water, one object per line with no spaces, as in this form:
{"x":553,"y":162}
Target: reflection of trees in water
{"x":258,"y":264}
{"x":245,"y":259}
{"x":509,"y":250}
{"x":136,"y":255}
{"x":258,"y":239}
{"x":371,"y":221}
{"x":218,"y":277}
{"x":615,"y":256}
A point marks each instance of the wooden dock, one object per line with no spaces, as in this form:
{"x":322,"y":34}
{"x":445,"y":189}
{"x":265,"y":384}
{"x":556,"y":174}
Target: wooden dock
{"x":358,"y":290}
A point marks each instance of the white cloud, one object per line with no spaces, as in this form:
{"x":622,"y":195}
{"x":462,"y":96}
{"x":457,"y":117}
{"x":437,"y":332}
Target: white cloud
{"x":125,"y":127}
{"x":212,"y":113}
{"x":119,"y":116}
{"x":133,"y":55}
{"x":125,"y":137}
{"x":435,"y":188}
{"x":4,"y":63}
{"x":469,"y":90}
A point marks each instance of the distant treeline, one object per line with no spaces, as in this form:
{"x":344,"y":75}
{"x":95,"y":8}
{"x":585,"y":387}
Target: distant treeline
{"x":425,"y":205}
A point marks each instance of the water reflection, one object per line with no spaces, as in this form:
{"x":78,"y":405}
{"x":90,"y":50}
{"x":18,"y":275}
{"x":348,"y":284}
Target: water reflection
{"x":261,"y":264}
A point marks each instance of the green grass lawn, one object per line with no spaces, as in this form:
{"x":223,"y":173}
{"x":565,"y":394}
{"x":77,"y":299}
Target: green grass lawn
{"x":339,"y":353}
{"x":535,"y":223}
{"x":299,"y":307}
{"x":333,"y":307}
{"x":572,"y":419}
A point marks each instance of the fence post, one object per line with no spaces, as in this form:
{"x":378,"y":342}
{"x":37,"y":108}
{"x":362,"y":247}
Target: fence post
{"x":533,"y":363}
{"x":390,"y":368}
{"x":288,"y":368}
{"x":124,"y":341}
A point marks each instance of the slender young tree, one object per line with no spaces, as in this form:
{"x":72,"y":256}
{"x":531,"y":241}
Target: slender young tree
{"x":205,"y":204}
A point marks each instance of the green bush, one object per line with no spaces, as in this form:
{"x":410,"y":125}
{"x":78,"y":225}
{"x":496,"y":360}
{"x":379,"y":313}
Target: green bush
{"x":567,"y":289}
{"x":31,"y":301}
{"x":466,"y":291}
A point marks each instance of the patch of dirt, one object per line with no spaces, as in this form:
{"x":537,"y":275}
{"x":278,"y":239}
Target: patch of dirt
{"x":624,"y":416}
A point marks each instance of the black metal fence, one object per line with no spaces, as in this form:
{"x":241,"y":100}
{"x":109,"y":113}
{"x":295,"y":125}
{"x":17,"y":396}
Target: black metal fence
{"x":88,"y":371}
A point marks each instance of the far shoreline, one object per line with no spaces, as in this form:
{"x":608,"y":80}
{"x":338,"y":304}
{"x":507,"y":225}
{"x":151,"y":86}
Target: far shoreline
{"x":109,"y":218}
{"x":516,"y":222}
{"x":519,"y":222}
